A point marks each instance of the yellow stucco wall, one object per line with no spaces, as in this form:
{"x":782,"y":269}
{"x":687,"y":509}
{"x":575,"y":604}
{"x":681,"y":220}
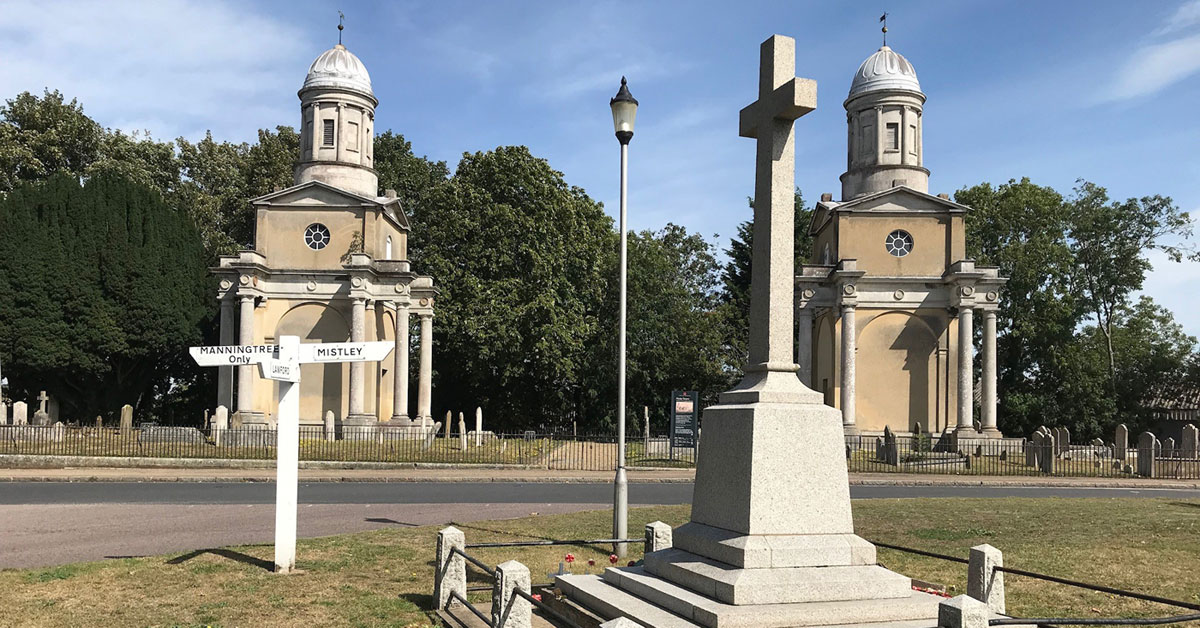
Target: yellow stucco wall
{"x":863,"y":238}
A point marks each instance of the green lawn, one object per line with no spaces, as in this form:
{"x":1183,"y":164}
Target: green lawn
{"x":384,"y":578}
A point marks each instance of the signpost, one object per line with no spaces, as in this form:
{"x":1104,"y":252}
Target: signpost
{"x":684,"y":410}
{"x":281,"y":363}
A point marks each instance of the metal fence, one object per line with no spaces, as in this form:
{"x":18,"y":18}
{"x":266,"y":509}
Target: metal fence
{"x":348,"y":444}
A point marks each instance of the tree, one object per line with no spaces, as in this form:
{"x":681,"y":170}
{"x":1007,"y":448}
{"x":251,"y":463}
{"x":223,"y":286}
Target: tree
{"x":1111,"y":241}
{"x":43,"y":136}
{"x":102,"y":287}
{"x":399,"y":169}
{"x":519,"y":258}
{"x":736,"y":277}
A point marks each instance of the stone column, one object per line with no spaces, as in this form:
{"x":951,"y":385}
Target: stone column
{"x":425,"y":376}
{"x":804,"y":323}
{"x":245,"y":387}
{"x":400,"y":366}
{"x":966,"y":361}
{"x":849,"y":331}
{"x":225,"y":373}
{"x":989,"y":374}
{"x":450,"y":574}
{"x":358,"y":333}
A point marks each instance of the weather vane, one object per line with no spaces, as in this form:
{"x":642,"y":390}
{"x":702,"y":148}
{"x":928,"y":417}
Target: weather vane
{"x":882,"y":18}
{"x":341,"y":21}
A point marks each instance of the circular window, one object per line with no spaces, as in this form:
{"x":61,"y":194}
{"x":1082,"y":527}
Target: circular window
{"x":899,"y":243}
{"x":316,"y":236}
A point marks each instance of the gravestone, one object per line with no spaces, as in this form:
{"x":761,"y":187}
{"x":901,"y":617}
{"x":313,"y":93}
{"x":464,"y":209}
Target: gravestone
{"x":41,"y":418}
{"x":430,"y":436}
{"x":330,"y":427}
{"x":462,"y":432}
{"x":449,"y":418}
{"x":1063,"y":439}
{"x":99,"y":422}
{"x":58,"y":432}
{"x":478,"y":425}
{"x":1190,"y":441}
{"x":220,"y":419}
{"x":646,"y":429}
{"x":1120,"y":442}
{"x":1146,"y":454}
{"x":3,"y":413}
{"x":1032,"y":447}
{"x":126,"y":419}
{"x":167,"y":434}
{"x":1168,"y":448}
{"x":1048,"y":452}
{"x":891,"y":451}
{"x":771,"y":539}
{"x":1096,"y":442}
{"x":20,"y":413}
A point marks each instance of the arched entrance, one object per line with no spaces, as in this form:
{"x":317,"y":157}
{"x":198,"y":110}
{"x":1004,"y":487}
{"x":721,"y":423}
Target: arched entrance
{"x":321,"y":385}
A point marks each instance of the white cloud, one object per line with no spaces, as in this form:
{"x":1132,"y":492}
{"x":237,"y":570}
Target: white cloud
{"x":1188,"y":14}
{"x":1173,"y":285}
{"x":1156,"y":66}
{"x":176,"y":66}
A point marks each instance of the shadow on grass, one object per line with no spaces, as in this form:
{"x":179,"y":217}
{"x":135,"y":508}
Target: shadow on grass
{"x":392,"y":521}
{"x":1186,"y":504}
{"x":420,"y":600}
{"x":225,"y":553}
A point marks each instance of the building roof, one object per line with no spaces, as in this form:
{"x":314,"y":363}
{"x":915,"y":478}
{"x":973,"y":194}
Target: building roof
{"x":884,"y":70}
{"x":1174,"y":397}
{"x":339,"y":68}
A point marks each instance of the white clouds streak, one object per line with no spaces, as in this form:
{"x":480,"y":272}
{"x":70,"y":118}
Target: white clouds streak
{"x":173,"y":67}
{"x":1157,"y":65}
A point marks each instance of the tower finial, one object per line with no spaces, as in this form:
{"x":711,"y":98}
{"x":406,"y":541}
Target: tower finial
{"x":883,"y":18}
{"x":341,"y":27}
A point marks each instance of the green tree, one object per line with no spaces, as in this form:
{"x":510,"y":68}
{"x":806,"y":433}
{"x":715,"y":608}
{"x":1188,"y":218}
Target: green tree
{"x":519,"y":257}
{"x":102,"y":287}
{"x":399,"y":169}
{"x":43,"y":136}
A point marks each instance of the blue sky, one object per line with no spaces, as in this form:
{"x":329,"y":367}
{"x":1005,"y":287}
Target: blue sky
{"x":1051,"y":90}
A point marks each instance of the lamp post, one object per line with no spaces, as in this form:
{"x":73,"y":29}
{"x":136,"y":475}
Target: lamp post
{"x":624,"y":110}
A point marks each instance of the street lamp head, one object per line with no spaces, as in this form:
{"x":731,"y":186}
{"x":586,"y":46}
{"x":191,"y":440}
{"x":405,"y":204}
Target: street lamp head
{"x":624,"y":110}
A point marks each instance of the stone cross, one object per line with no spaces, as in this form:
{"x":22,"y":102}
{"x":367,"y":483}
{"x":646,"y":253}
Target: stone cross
{"x":782,"y":98}
{"x":42,"y":399}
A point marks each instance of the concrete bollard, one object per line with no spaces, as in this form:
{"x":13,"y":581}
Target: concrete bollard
{"x":508,"y":610}
{"x":620,"y":622}
{"x":963,"y":612}
{"x":658,"y":536}
{"x":984,"y":582}
{"x":451,"y":573}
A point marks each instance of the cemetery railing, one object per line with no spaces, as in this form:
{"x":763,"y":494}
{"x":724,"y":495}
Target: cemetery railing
{"x":1072,"y":621}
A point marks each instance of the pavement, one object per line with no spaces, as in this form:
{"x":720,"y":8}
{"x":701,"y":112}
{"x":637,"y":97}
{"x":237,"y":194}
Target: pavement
{"x":525,"y":475}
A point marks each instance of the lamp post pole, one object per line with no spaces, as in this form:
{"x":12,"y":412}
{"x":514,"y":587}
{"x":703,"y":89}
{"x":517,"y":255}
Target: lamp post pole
{"x":624,"y":108}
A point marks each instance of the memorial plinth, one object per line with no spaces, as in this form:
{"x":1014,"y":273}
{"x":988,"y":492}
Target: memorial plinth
{"x":771,"y":542}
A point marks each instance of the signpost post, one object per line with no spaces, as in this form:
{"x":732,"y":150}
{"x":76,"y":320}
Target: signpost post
{"x":684,"y":409}
{"x":281,"y":363}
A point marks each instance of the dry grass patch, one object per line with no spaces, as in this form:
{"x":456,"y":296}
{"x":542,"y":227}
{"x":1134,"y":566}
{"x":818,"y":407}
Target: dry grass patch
{"x":385,"y":577}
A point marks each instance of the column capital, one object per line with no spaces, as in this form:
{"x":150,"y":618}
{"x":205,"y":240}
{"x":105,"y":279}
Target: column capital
{"x":401,"y":304}
{"x":425,"y":315}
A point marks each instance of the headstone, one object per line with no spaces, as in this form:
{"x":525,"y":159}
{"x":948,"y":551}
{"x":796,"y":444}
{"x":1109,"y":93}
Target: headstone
{"x":1158,"y":447}
{"x":1063,"y":440}
{"x":1120,"y":442}
{"x":1049,"y":451}
{"x":168,"y":434}
{"x":3,"y":413}
{"x":330,"y":426}
{"x":58,"y":432}
{"x":126,"y":419}
{"x":430,"y":436}
{"x":20,"y":413}
{"x":1190,"y":441}
{"x":891,"y":450}
{"x":41,"y":418}
{"x":99,"y":422}
{"x":478,"y":425}
{"x":1032,"y":447}
{"x":1097,"y":442}
{"x":646,"y":429}
{"x":220,"y":419}
{"x":1146,"y":454}
{"x":1168,"y":448}
{"x":880,"y":455}
{"x":449,"y":418}
{"x":462,"y":432}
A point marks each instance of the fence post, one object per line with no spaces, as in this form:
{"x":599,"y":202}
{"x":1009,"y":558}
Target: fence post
{"x":508,"y":610}
{"x":658,"y":536}
{"x":984,"y":582}
{"x":962,"y":612}
{"x":451,"y":572}
{"x":620,"y":622}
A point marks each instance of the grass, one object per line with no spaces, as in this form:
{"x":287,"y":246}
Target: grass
{"x":385,"y":577}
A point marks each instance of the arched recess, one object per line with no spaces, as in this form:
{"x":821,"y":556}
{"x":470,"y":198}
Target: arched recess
{"x":321,"y":385}
{"x":825,"y":357}
{"x":896,"y":373}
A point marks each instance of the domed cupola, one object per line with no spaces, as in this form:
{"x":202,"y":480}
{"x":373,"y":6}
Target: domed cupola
{"x":337,"y":141}
{"x":884,"y":129}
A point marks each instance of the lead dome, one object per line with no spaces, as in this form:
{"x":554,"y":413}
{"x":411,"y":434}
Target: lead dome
{"x":886,"y":69}
{"x":340,"y":69}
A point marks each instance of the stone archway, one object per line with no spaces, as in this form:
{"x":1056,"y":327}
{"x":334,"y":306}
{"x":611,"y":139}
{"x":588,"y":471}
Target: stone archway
{"x":322,"y":385}
{"x":896,"y":373}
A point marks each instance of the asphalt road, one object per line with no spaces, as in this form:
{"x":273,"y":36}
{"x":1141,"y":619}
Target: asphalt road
{"x":54,"y":523}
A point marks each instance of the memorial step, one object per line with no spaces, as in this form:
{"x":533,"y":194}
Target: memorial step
{"x":787,"y":585}
{"x":610,"y":602}
{"x":916,"y":609}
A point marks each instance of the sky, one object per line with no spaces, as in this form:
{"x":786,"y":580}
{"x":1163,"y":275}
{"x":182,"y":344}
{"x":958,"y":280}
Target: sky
{"x":1054,"y":91}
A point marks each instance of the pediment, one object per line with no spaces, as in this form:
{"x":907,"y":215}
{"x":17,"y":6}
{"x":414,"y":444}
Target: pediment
{"x":902,"y":199}
{"x":314,"y":193}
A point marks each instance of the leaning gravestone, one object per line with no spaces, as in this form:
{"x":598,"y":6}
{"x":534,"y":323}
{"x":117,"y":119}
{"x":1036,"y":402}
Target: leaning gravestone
{"x":20,"y":413}
{"x":430,"y":436}
{"x":1120,"y":442}
{"x":126,"y":420}
{"x":1190,"y":441}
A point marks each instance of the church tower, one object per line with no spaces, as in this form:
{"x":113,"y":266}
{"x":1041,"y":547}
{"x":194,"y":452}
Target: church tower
{"x":885,"y":309}
{"x":330,"y":264}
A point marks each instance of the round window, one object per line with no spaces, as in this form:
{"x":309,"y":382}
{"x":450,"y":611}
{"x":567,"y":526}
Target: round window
{"x":899,"y":243}
{"x":316,"y":236}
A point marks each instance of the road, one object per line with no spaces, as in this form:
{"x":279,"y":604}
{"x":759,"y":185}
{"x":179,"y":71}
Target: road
{"x":56,"y":523}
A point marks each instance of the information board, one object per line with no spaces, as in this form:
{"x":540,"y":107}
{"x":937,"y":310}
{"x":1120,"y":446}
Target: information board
{"x":685,"y":408}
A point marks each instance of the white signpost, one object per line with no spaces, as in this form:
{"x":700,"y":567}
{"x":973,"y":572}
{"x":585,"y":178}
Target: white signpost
{"x":281,"y":363}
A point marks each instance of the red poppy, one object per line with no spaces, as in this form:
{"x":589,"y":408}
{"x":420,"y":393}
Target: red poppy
{"x":591,"y":562}
{"x":537,"y":596}
{"x":631,"y":563}
{"x":570,"y":558}
{"x":612,"y":558}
